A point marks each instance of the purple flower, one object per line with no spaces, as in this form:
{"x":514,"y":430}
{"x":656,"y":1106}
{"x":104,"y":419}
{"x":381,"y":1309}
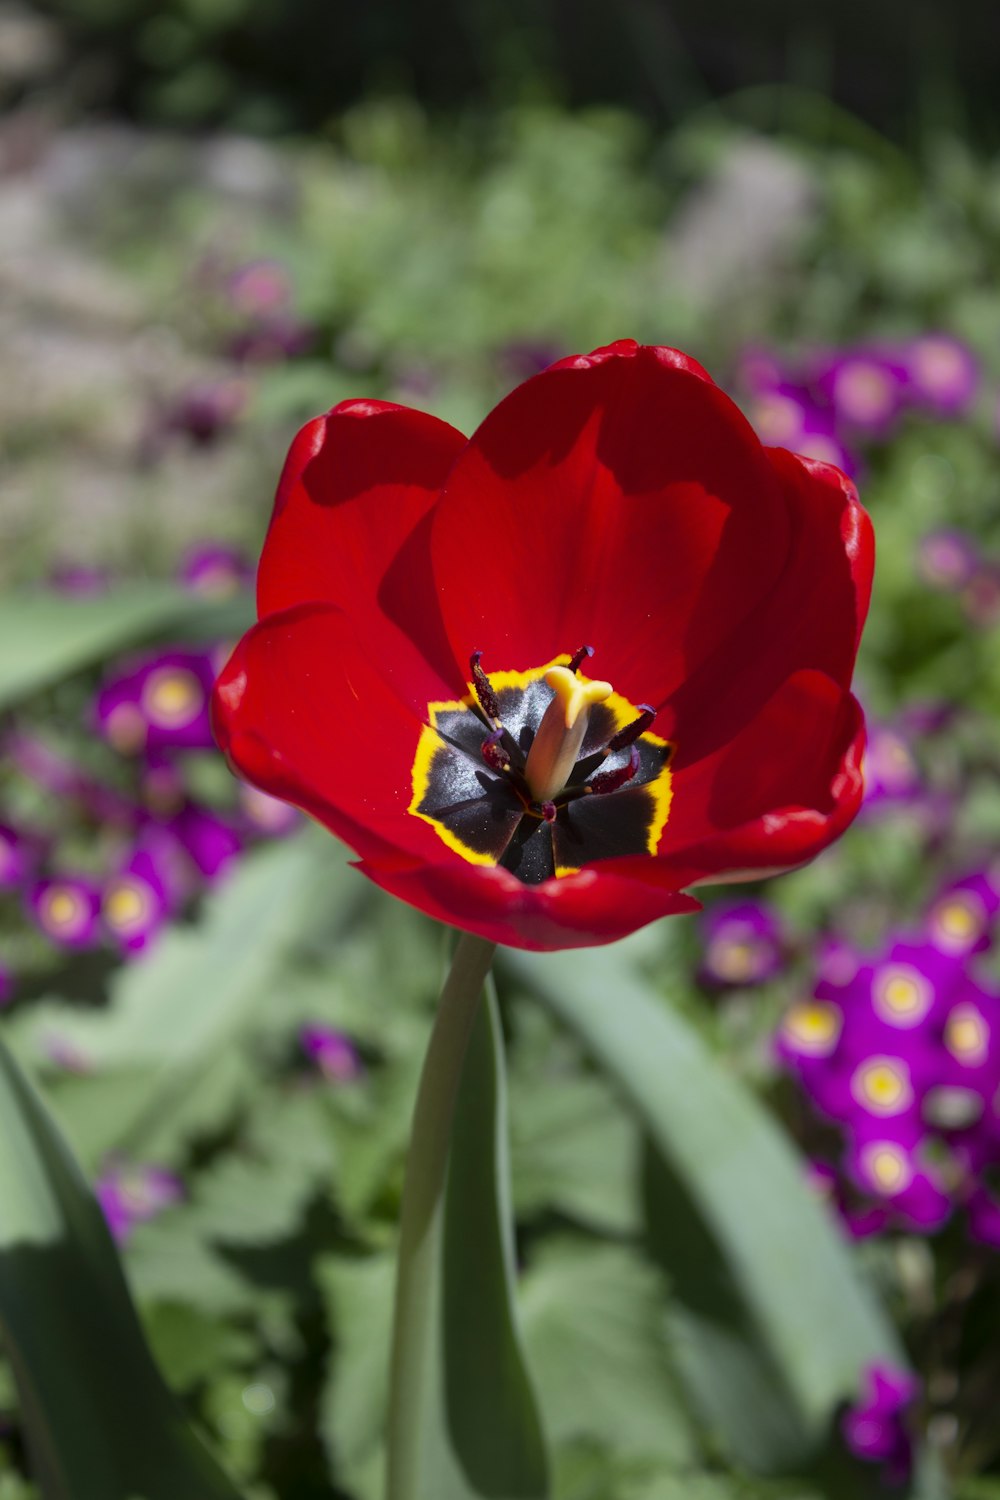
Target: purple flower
{"x":983,"y":1213}
{"x":890,"y":768}
{"x":215,"y":570}
{"x":270,"y":341}
{"x":786,"y":416}
{"x":333,"y":1052}
{"x":206,"y":410}
{"x":866,"y":388}
{"x":66,"y":908}
{"x":942,"y":374}
{"x":160,"y":700}
{"x":17,"y":855}
{"x":742,"y":944}
{"x":959,"y":920}
{"x":136,"y":901}
{"x":66,"y":780}
{"x":889,"y":1162}
{"x":947,"y":559}
{"x":874,"y":1427}
{"x":79,"y":580}
{"x":266,"y":814}
{"x":980,"y":595}
{"x":134,"y":1194}
{"x":210,"y":841}
{"x":259,"y":288}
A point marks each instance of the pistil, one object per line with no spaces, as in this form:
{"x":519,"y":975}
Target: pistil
{"x":556,"y":746}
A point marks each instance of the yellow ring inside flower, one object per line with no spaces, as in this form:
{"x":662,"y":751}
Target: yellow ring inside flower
{"x":452,"y":720}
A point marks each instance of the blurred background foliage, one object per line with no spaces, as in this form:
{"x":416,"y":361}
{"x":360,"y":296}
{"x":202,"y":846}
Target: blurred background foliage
{"x":217,"y":218}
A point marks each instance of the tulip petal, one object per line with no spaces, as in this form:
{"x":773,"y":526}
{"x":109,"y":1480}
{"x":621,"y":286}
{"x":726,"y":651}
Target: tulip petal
{"x":301,"y":712}
{"x":597,"y":905}
{"x":619,"y":500}
{"x":346,"y":530}
{"x":775,"y":795}
{"x":811,"y":618}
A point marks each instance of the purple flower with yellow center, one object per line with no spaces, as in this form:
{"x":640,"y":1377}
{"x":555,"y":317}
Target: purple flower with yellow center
{"x":867,"y":389}
{"x":66,"y":908}
{"x":875,"y":1426}
{"x":890,"y":767}
{"x":960,"y":918}
{"x":215,"y":570}
{"x":942,"y":374}
{"x":890,"y":1161}
{"x":133,"y":1194}
{"x":742,"y":944}
{"x":332,"y":1051}
{"x":266,"y":814}
{"x":159,"y":701}
{"x":866,"y":1049}
{"x":971,"y":1042}
{"x":135,"y":902}
{"x":786,"y":416}
{"x":947,"y":559}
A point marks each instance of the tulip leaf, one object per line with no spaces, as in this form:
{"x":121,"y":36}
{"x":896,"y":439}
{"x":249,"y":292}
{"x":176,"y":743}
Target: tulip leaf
{"x":731,"y":1215}
{"x":46,"y":636}
{"x":98,"y":1419}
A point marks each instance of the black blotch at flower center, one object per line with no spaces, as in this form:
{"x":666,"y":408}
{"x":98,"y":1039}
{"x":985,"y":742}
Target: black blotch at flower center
{"x":542,"y":772}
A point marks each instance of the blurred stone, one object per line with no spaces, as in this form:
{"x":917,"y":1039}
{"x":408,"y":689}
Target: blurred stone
{"x":30,"y":45}
{"x":741,"y":224}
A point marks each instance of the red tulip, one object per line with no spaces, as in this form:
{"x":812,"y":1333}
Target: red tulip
{"x":415,"y":679}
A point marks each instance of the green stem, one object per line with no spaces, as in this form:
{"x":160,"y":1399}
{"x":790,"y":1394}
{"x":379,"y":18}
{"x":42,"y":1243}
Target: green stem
{"x":420,"y":1218}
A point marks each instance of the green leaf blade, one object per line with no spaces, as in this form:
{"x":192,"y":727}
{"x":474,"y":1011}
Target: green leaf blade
{"x":99,"y":1420}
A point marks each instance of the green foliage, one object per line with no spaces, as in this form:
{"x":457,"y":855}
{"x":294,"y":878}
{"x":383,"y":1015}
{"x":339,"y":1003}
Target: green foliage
{"x":83,"y":1370}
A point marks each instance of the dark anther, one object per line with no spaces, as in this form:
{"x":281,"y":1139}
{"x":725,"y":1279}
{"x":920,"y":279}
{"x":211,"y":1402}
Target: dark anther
{"x":494,"y":753}
{"x":580,"y":658}
{"x":549,"y":811}
{"x":484,"y":692}
{"x":610,"y":781}
{"x":631,"y":732}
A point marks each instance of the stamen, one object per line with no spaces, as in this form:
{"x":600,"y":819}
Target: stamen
{"x":549,"y":811}
{"x":610,"y":781}
{"x":632,"y":731}
{"x":556,"y":745}
{"x":580,"y":657}
{"x":488,"y":700}
{"x":493,"y":752}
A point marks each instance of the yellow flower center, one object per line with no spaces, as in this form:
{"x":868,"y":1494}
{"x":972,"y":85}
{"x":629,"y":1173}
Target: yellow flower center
{"x":887,"y":1166}
{"x":813,"y":1026}
{"x":126,"y":905}
{"x":902,"y":995}
{"x":172,"y":697}
{"x":882,"y":1085}
{"x":967,"y":1035}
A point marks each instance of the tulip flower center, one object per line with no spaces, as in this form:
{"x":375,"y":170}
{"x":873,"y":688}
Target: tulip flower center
{"x":542,"y":772}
